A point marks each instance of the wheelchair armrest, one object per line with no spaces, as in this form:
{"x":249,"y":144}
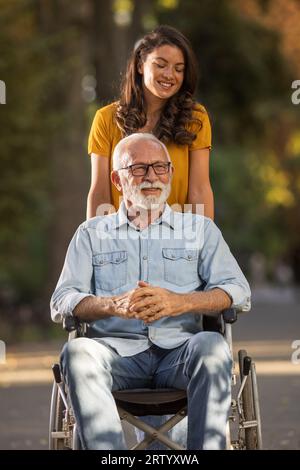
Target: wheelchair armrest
{"x":230,"y":315}
{"x":217,"y":323}
{"x":71,"y":323}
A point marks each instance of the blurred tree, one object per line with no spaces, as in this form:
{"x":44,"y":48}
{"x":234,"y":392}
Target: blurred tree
{"x":42,"y":142}
{"x":243,"y":75}
{"x":246,"y":86}
{"x":61,"y":60}
{"x":283,"y":16}
{"x":64,"y":26}
{"x":24,"y":129}
{"x":115,"y":26}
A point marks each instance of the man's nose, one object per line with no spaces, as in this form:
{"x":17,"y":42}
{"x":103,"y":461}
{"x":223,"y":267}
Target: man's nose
{"x":151,"y":175}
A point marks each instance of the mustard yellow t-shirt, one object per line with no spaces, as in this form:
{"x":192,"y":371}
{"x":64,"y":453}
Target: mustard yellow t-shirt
{"x":105,"y":135}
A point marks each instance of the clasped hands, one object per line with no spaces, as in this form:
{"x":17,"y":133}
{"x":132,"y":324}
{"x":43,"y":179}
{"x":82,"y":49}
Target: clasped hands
{"x":148,"y":303}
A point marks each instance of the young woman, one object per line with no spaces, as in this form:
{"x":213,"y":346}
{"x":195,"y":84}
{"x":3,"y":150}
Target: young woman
{"x":156,"y":96}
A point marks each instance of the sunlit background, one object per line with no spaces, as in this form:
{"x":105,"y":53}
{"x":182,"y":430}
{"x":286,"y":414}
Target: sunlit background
{"x":61,"y":60}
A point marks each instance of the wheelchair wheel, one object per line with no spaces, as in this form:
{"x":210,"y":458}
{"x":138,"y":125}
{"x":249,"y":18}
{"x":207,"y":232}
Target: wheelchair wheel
{"x":52,"y":416}
{"x":56,"y":420}
{"x":252,"y":436}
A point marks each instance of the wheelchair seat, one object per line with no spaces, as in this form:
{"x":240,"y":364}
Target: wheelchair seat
{"x":159,"y":402}
{"x":135,"y":403}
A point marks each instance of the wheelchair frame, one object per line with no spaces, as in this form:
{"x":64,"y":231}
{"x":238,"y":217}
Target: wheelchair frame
{"x":244,"y":423}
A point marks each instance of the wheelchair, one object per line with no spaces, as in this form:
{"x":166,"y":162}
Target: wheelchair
{"x":243,"y":426}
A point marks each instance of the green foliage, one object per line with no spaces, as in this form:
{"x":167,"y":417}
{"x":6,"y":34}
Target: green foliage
{"x":244,"y":78}
{"x":27,"y":124}
{"x":245,"y":85}
{"x":248,"y":221}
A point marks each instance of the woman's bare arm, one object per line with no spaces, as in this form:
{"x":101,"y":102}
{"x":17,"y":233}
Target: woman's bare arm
{"x":100,"y":189}
{"x":200,"y":191}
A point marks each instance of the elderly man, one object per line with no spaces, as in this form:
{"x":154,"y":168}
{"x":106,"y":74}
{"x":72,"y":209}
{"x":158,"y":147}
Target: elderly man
{"x":140,"y":277}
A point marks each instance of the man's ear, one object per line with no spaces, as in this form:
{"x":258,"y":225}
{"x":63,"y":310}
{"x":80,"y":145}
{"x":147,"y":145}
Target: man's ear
{"x":115,"y":179}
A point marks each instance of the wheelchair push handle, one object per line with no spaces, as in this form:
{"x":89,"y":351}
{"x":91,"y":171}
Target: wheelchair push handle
{"x":56,"y":373}
{"x":247,"y":365}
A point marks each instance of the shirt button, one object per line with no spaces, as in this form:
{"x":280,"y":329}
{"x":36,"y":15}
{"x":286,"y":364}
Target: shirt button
{"x":145,"y":257}
{"x":189,"y":257}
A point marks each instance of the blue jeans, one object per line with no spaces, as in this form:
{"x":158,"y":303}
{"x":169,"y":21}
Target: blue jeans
{"x":202,"y":366}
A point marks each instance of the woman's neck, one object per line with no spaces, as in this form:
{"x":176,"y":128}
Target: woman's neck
{"x":154,"y":105}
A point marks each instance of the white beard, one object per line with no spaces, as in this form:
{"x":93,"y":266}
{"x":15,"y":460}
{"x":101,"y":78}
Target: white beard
{"x":139,"y":200}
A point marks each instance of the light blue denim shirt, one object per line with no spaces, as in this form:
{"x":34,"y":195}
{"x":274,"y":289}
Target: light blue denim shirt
{"x":182,"y":252}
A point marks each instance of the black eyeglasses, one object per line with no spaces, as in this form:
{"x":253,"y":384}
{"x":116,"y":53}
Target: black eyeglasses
{"x":142,"y":169}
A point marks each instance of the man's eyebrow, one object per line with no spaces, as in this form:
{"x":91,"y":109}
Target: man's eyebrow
{"x":165,"y":60}
{"x":142,"y":163}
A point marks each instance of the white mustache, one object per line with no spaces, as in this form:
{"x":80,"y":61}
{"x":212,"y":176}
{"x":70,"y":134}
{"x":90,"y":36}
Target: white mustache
{"x":146,"y":184}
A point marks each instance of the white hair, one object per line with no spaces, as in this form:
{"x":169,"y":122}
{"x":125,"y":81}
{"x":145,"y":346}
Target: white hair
{"x":121,"y":149}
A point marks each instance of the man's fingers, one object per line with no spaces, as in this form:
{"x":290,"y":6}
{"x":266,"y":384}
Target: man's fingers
{"x":148,"y":311}
{"x":152,"y":318}
{"x":140,"y":293}
{"x":144,"y":303}
{"x":137,"y":306}
{"x":143,"y":284}
{"x":144,"y":292}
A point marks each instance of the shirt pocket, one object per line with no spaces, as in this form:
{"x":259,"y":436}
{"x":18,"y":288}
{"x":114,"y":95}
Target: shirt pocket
{"x":180,"y":265}
{"x":110,"y":270}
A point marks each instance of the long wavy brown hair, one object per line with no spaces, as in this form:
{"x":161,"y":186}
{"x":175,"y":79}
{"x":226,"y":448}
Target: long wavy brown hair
{"x":177,"y":113}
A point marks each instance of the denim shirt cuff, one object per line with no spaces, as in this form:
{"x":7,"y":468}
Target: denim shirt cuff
{"x":240,"y":299}
{"x":68,"y":305}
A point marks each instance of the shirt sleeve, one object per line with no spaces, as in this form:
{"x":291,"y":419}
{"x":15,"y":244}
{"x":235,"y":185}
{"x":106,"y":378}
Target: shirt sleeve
{"x":75,"y":282}
{"x":99,"y":141}
{"x":202,"y":129}
{"x":219,"y":269}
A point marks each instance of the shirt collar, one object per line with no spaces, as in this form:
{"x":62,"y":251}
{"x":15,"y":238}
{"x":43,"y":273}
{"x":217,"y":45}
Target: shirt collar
{"x":168,"y":217}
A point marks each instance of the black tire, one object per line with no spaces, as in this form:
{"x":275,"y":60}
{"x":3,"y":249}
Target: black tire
{"x":251,"y":442}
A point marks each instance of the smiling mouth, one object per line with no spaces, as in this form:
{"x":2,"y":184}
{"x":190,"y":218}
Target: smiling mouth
{"x":151,"y":190}
{"x":165,"y":85}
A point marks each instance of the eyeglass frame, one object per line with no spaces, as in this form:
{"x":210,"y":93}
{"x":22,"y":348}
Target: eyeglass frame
{"x":148,"y":165}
